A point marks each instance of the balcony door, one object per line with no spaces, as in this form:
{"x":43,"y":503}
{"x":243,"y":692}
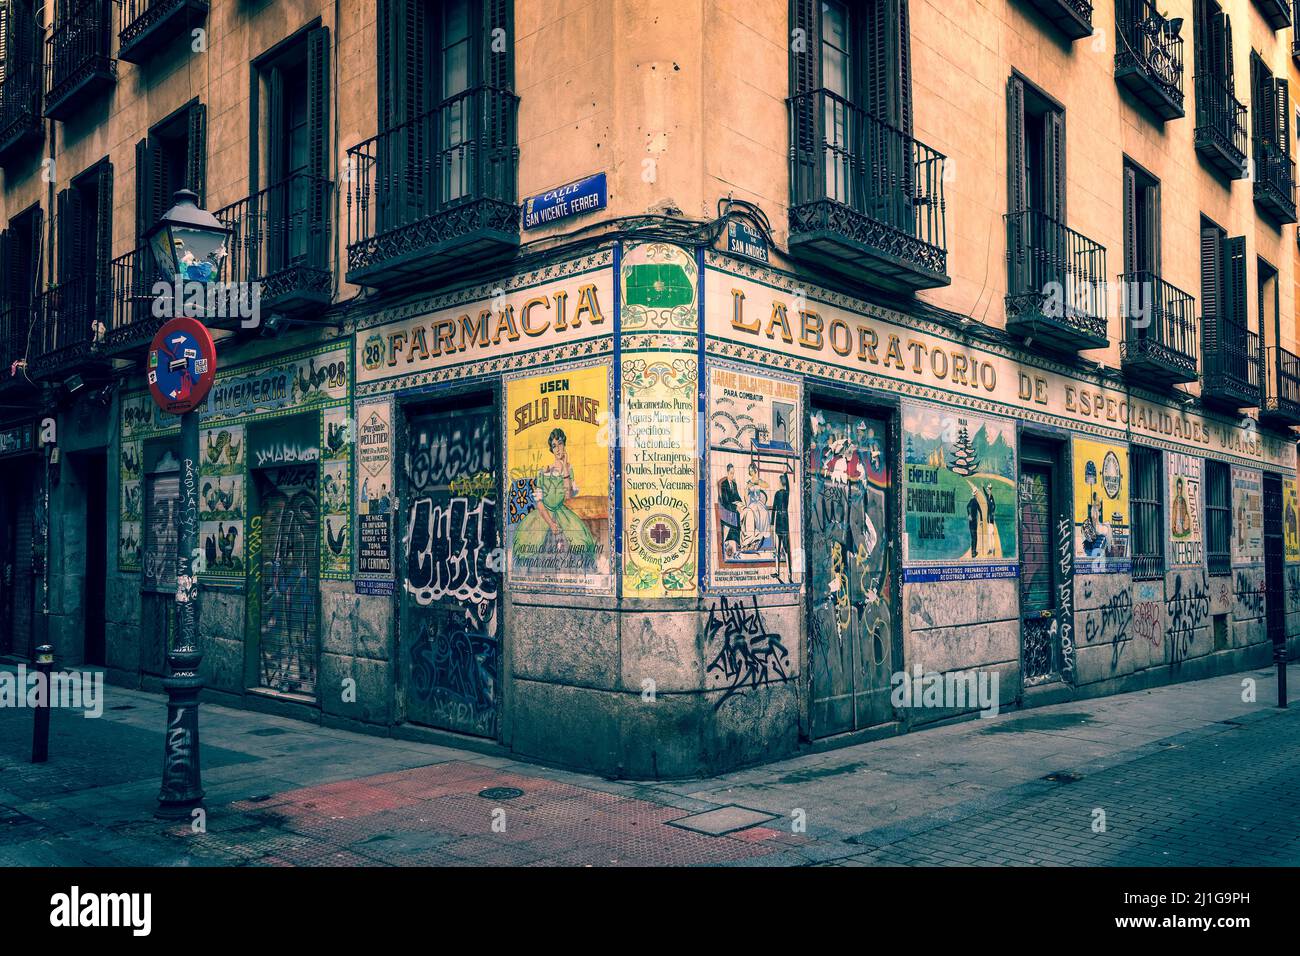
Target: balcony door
{"x":857,"y":86}
{"x":291,"y":214}
{"x":1038,"y":246}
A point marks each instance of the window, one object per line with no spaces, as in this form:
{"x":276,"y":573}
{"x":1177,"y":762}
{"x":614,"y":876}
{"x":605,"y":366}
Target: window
{"x":1266,"y":289}
{"x":1223,"y":286}
{"x":1218,"y":517}
{"x":296,"y":157}
{"x":1213,"y":45}
{"x":438,"y":72}
{"x":1270,"y":113}
{"x":173,"y":156}
{"x":84,"y":234}
{"x":1141,"y":221}
{"x":20,"y":261}
{"x":1036,"y":145}
{"x":1147,"y":503}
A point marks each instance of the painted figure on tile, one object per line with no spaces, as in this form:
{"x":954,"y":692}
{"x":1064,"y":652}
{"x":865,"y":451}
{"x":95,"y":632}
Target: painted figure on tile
{"x":552,"y":524}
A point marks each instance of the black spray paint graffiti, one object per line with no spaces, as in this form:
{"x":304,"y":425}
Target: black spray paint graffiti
{"x":1250,"y":597}
{"x":1188,"y":610}
{"x":447,"y":554}
{"x":455,"y":670}
{"x":750,"y":655}
{"x":1065,"y":602}
{"x":1111,"y":622}
{"x":290,"y":555}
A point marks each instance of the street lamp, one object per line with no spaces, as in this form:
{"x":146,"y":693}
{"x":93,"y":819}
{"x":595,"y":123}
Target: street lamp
{"x":189,"y":245}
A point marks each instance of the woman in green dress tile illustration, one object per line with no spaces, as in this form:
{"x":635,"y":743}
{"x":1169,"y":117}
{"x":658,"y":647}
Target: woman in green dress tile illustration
{"x":552,"y":527}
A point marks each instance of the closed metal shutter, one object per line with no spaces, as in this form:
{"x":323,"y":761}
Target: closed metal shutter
{"x":24,"y":574}
{"x":290,"y":579}
{"x":158,"y":561}
{"x":1037,"y":573}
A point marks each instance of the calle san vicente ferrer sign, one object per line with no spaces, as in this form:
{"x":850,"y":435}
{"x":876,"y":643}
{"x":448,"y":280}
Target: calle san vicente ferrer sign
{"x":182,"y":365}
{"x":583,"y":195}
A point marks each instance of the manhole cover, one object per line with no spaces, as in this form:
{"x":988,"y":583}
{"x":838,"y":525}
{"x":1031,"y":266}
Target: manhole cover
{"x":268,"y":732}
{"x":500,"y":793}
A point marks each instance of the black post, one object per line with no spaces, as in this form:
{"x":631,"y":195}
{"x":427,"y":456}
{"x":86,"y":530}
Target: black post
{"x":182,"y":789}
{"x":1279,"y":654}
{"x":41,"y":722}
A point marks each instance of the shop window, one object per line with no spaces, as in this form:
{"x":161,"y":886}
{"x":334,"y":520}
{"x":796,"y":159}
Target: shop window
{"x":1218,"y":517}
{"x":1147,"y":503}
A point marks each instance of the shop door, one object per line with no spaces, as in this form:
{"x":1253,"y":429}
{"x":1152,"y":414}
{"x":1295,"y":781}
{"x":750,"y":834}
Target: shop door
{"x":162,"y":491}
{"x":1038,"y":569}
{"x":289,"y":628}
{"x":451,"y":570}
{"x":17,"y":574}
{"x":95,"y":474}
{"x":1274,"y":555}
{"x":851,"y":569}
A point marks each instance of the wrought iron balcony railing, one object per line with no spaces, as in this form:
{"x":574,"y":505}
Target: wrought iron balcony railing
{"x":436,"y":193}
{"x":67,"y":329}
{"x":1282,"y":396}
{"x":145,"y":26}
{"x":15,"y":328}
{"x":1220,"y":126}
{"x":1277,"y":13}
{"x":1230,"y":365}
{"x":1161,"y":334}
{"x":131,"y":322}
{"x":1072,"y":17}
{"x":79,"y":57}
{"x":866,"y":197}
{"x":1275,"y":181}
{"x":1149,"y":57}
{"x":1056,"y":283}
{"x":20,"y":102}
{"x":280,"y":238}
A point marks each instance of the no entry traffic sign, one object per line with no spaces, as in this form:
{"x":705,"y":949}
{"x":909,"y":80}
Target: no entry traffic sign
{"x":182,"y":365}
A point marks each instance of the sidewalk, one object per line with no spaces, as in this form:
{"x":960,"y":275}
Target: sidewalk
{"x":1184,"y":774}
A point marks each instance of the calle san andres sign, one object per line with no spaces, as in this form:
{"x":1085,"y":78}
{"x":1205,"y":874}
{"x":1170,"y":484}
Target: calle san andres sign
{"x":182,"y":365}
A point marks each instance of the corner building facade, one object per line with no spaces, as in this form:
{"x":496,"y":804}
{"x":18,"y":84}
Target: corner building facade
{"x":644,"y":390}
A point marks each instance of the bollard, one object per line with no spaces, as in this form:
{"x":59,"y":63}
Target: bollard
{"x":41,"y":724}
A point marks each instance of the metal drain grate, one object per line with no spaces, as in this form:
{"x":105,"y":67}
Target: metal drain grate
{"x":1063,"y":776}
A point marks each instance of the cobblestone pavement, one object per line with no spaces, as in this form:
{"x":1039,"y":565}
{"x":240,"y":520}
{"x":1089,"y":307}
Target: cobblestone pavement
{"x":1186,"y":774}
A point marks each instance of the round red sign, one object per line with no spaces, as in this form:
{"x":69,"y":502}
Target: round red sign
{"x":182,"y":365}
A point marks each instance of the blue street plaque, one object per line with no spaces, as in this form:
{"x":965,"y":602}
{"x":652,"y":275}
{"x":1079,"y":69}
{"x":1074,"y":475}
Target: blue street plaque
{"x":571,"y":199}
{"x":744,"y":240}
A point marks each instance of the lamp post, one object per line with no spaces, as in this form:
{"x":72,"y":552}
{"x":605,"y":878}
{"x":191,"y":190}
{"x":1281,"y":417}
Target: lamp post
{"x":189,"y":249}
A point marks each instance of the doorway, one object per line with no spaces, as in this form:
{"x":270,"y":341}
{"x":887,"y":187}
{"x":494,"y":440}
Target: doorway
{"x":93,"y":473}
{"x":289,"y":579}
{"x":18,"y":577}
{"x":1274,"y":557}
{"x":1043,"y":576}
{"x":450,"y":626}
{"x":851,"y":569}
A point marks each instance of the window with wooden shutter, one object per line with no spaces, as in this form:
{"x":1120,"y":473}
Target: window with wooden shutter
{"x":1141,"y":221}
{"x":318,"y":151}
{"x":197,"y":150}
{"x":1218,"y":517}
{"x":1234,"y":304}
{"x":1146,"y":503}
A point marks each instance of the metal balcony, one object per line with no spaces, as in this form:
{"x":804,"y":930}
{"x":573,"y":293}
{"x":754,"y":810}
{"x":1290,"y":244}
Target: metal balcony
{"x":15,"y":328}
{"x":1277,"y":13}
{"x":67,"y":332}
{"x":435,"y":195}
{"x":79,"y":58}
{"x":1274,"y":182}
{"x":866,"y":198}
{"x":21,"y":125}
{"x":1072,"y":17}
{"x":146,"y":26}
{"x":1149,"y":57}
{"x":280,"y":238}
{"x":1282,"y":394}
{"x":131,"y":322}
{"x":1160,"y":330}
{"x":1220,"y":127}
{"x":1230,"y":366}
{"x":1056,"y":284}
